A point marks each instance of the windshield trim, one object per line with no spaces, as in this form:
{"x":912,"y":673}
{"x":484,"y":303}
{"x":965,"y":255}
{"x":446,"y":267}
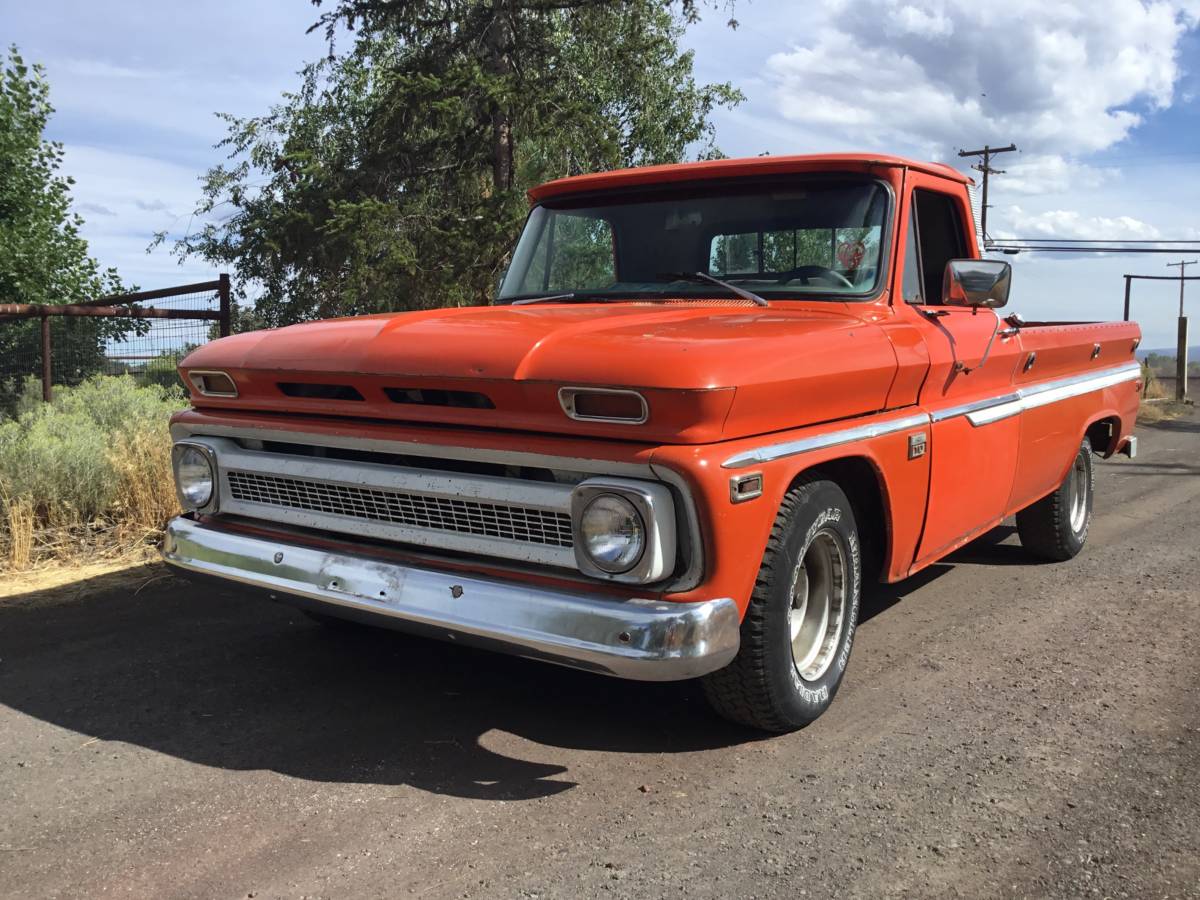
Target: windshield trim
{"x":706,"y":185}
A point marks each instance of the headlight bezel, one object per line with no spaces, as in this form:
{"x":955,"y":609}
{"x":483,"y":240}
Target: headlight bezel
{"x":178,"y":452}
{"x":654,"y":505}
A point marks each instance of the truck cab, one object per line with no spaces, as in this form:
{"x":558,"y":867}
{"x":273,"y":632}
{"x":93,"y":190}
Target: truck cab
{"x":708,"y":403}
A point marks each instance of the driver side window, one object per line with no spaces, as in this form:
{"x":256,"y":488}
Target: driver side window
{"x":935,"y":236}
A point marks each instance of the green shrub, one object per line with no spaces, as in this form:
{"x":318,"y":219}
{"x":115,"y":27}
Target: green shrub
{"x":99,"y":453}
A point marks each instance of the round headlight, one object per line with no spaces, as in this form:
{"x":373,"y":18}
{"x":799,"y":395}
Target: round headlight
{"x":194,"y":475}
{"x":613,"y":533}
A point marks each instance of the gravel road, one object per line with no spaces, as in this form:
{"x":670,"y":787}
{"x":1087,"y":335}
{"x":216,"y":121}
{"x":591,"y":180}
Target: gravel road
{"x":1006,"y":729}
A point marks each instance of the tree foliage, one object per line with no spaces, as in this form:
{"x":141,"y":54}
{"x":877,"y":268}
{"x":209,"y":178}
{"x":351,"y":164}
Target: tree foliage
{"x":394,"y":178}
{"x":43,"y":257}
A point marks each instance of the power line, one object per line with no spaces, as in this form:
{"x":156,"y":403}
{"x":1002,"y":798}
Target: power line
{"x":1095,"y":241}
{"x":985,"y":166}
{"x":1005,"y":247}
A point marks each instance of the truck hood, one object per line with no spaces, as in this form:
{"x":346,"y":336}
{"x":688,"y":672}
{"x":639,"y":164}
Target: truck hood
{"x":709,"y":369}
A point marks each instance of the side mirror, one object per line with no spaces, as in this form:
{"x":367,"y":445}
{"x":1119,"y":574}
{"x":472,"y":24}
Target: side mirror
{"x":976,"y":282}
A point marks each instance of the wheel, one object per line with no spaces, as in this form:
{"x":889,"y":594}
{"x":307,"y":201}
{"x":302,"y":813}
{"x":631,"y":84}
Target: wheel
{"x":799,"y":625}
{"x":1056,"y":527}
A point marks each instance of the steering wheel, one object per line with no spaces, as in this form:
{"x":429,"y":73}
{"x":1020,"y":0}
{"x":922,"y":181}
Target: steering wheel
{"x":807,"y":272}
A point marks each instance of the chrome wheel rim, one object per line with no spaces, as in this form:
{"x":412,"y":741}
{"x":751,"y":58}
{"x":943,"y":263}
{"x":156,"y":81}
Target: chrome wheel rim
{"x":1078,"y":494}
{"x":818,"y":608}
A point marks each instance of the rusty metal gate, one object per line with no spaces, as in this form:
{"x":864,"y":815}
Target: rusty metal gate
{"x":142,"y":334}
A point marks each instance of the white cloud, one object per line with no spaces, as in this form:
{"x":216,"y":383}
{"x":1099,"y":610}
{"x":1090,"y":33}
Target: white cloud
{"x":1066,"y":223}
{"x":1062,"y":79}
{"x":1039,"y":175}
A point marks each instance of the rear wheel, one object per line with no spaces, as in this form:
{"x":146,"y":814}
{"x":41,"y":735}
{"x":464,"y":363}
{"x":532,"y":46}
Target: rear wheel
{"x":1056,"y":527}
{"x":799,"y":626}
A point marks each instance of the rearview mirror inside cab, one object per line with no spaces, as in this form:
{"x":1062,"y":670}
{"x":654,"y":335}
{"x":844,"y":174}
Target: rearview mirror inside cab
{"x":976,"y":282}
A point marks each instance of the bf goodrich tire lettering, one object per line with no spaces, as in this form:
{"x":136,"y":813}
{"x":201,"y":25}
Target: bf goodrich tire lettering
{"x":799,"y":626}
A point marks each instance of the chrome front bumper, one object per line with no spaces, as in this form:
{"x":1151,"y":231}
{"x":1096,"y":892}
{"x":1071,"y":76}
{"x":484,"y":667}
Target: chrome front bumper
{"x":647,"y":640}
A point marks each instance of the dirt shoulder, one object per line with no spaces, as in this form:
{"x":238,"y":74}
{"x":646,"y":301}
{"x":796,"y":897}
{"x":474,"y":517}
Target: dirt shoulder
{"x":1006,"y":729}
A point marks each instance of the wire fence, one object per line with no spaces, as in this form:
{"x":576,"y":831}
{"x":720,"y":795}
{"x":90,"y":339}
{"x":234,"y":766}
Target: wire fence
{"x":143,"y":335}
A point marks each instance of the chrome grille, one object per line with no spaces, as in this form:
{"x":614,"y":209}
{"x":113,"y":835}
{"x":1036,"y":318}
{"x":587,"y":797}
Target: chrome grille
{"x":517,"y":523}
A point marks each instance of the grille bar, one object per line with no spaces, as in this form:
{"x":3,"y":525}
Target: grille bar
{"x":453,"y":515}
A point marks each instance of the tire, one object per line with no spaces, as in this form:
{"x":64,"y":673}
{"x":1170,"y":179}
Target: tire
{"x":813,"y":551}
{"x":1056,"y":527}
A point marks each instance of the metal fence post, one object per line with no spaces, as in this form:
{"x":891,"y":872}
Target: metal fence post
{"x":47,"y":371}
{"x":225,"y":328}
{"x":1128,"y":282}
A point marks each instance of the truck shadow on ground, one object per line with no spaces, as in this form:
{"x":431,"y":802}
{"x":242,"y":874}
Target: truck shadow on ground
{"x":994,"y":549}
{"x":208,"y":675}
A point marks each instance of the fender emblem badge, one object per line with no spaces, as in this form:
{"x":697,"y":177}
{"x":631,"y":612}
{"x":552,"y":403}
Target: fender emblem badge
{"x":916,"y":445}
{"x":456,"y":591}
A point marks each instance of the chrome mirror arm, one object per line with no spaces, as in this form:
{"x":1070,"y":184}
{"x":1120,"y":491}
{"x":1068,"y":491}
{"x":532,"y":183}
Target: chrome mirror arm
{"x":960,"y":367}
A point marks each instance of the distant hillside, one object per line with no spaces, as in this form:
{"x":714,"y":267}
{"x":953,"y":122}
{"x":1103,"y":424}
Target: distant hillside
{"x":1193,"y":352}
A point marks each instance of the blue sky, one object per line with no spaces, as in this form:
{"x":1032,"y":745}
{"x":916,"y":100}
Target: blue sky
{"x":1102,"y":97}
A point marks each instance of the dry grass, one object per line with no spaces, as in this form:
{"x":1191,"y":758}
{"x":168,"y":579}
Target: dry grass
{"x":1157,"y":406}
{"x":1154,"y":389}
{"x":145,"y":484}
{"x":19,"y":531}
{"x":88,"y":477}
{"x":1152,"y":413}
{"x":76,"y":580}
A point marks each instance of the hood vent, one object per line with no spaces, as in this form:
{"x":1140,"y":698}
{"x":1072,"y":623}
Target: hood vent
{"x":435,"y":397}
{"x":319,"y":391}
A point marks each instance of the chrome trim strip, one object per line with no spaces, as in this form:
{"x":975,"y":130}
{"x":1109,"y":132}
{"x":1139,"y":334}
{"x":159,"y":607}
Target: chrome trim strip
{"x":951,"y":412}
{"x":996,"y":412}
{"x":648,"y":640}
{"x":993,"y":409}
{"x":1035,"y":395}
{"x":260,"y":432}
{"x":978,"y":412}
{"x":820,"y":441}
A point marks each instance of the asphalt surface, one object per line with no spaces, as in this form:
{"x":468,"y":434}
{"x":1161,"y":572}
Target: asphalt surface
{"x":1007,"y":728}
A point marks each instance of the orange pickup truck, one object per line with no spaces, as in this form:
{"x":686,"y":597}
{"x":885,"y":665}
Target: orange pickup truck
{"x":709,"y":402}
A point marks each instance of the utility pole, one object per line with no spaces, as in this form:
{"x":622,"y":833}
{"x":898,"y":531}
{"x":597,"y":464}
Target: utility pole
{"x":1181,"y":349}
{"x":985,"y":166}
{"x":1183,"y":264}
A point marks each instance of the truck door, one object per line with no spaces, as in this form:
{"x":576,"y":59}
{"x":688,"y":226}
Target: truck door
{"x":971,"y":465}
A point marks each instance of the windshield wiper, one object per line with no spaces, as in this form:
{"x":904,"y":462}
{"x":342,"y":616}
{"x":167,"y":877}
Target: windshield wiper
{"x":544,"y":298}
{"x":704,"y":276}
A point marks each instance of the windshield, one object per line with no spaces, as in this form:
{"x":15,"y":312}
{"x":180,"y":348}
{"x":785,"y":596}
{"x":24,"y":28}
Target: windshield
{"x":794,"y":239}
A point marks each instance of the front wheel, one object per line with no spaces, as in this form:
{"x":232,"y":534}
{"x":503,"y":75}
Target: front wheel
{"x":799,"y":626}
{"x":1056,"y":527}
